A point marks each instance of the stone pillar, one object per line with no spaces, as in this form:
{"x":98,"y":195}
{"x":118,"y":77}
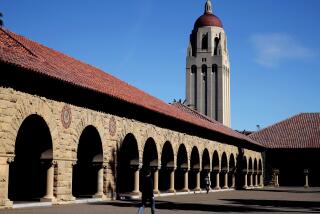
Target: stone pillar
{"x":226,"y":180}
{"x":156,"y":181}
{"x":198,"y":188}
{"x":256,"y":180}
{"x":4,"y":182}
{"x":186,"y":181}
{"x":100,"y":193}
{"x":172,"y":190}
{"x":217,"y":181}
{"x":277,"y":180}
{"x":49,"y":197}
{"x":233,"y":180}
{"x":251,"y":180}
{"x":260,"y":179}
{"x":306,"y":173}
{"x":136,"y":188}
{"x":245,"y":185}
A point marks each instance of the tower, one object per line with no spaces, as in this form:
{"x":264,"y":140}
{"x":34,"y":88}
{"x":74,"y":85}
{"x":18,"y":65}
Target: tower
{"x":208,"y":68}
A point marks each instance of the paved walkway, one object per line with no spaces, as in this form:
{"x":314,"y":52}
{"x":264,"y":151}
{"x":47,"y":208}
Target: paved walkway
{"x":280,"y":200}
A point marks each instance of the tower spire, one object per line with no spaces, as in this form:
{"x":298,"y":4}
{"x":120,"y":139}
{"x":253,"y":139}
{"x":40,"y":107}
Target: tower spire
{"x":208,"y":7}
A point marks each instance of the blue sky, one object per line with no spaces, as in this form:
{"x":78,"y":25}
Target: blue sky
{"x":274,"y":47}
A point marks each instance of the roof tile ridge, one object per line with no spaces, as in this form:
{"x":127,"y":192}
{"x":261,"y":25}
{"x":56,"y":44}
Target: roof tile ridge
{"x":12,"y":36}
{"x":274,"y":125}
{"x":214,"y":122}
{"x":198,"y":113}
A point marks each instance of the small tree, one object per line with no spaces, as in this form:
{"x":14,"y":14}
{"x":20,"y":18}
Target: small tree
{"x":1,"y":21}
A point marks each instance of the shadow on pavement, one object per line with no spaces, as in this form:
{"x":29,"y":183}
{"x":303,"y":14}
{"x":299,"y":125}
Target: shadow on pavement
{"x":289,"y":190}
{"x":313,"y":205}
{"x":166,"y":205}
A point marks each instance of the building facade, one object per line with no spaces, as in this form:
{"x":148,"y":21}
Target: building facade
{"x":208,"y":68}
{"x":69,"y":130}
{"x":292,"y":153}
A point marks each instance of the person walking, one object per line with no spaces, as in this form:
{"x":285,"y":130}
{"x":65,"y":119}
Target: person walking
{"x":208,"y":183}
{"x":147,"y":192}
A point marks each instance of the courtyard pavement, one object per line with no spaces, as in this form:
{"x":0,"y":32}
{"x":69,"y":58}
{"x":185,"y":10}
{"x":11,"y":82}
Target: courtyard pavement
{"x":275,"y":200}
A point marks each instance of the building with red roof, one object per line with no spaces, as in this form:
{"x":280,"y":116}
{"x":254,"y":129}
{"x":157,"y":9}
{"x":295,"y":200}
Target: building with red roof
{"x":292,"y":150}
{"x":80,"y":132}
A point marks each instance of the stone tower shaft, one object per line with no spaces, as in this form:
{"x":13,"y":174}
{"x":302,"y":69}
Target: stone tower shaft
{"x":208,"y":68}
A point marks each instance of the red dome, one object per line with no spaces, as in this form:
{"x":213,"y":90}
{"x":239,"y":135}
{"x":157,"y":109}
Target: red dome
{"x":208,"y":19}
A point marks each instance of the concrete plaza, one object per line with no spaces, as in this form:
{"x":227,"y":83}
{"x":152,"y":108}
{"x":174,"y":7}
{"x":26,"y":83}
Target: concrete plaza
{"x":275,"y":200}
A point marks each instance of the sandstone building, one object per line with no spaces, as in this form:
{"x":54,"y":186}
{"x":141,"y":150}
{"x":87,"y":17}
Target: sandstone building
{"x":69,"y":130}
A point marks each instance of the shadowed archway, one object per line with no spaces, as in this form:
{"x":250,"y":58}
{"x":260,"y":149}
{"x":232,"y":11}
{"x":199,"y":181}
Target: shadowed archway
{"x":205,"y":168}
{"x":182,"y":167}
{"x":128,"y":163}
{"x":167,"y":165}
{"x":89,"y":161}
{"x":194,"y":167}
{"x":215,"y":170}
{"x":33,"y":155}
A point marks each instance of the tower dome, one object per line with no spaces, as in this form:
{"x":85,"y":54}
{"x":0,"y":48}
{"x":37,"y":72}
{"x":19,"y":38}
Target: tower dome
{"x":208,"y":19}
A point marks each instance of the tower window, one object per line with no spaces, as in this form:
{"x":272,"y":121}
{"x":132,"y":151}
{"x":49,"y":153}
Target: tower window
{"x":216,"y":44}
{"x":204,"y":43}
{"x":204,"y":59}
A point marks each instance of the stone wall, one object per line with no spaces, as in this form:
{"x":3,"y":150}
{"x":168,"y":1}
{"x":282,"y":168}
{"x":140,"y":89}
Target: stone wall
{"x":66,"y":124}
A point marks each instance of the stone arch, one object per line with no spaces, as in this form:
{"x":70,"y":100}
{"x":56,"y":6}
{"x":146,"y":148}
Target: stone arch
{"x":250,"y":172}
{"x":232,"y":168}
{"x":22,"y":110}
{"x":255,"y":166}
{"x":150,"y":154}
{"x":194,"y":167}
{"x":33,"y":157}
{"x":167,"y":166}
{"x":224,"y":169}
{"x":128,"y":159}
{"x":206,"y":168}
{"x":88,"y":119}
{"x":260,"y":168}
{"x":89,"y":162}
{"x":215,"y":169}
{"x":182,"y":167}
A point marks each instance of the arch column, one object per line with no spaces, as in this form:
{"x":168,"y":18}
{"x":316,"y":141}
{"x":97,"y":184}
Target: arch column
{"x":198,"y":188}
{"x":261,"y":180}
{"x":49,"y":197}
{"x":217,"y":187}
{"x":100,"y":182}
{"x":4,"y":181}
{"x":225,"y":180}
{"x":256,"y":180}
{"x":136,"y":187}
{"x":171,"y":189}
{"x":245,"y":185}
{"x":186,"y":180}
{"x":251,"y":179}
{"x":306,"y":174}
{"x":156,"y":180}
{"x":233,"y":185}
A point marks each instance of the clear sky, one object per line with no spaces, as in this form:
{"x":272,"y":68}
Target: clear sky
{"x":274,"y":47}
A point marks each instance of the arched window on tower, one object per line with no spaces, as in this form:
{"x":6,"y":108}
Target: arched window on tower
{"x":193,"y":86}
{"x":204,"y":89}
{"x":204,"y":42}
{"x":216,"y":45}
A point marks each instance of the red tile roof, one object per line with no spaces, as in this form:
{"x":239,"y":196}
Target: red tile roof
{"x":202,"y":117}
{"x":300,"y":131}
{"x":34,"y":57}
